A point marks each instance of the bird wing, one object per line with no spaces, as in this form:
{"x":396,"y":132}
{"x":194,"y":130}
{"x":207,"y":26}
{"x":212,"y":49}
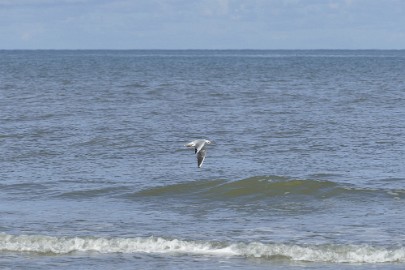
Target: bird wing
{"x":201,"y":157}
{"x":198,"y":146}
{"x":191,"y":144}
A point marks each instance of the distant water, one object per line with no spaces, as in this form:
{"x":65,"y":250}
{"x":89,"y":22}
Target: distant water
{"x":307,"y":170}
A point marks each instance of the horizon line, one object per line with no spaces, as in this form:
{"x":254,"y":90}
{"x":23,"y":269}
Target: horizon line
{"x":246,"y":49}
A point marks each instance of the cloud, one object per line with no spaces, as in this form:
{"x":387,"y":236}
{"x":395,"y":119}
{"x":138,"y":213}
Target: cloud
{"x":30,"y":32}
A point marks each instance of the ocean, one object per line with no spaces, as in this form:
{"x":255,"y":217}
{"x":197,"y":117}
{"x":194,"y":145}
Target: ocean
{"x":306,"y":168}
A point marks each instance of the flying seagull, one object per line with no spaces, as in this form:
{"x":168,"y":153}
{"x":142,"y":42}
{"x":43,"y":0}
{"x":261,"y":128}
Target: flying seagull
{"x":200,"y":151}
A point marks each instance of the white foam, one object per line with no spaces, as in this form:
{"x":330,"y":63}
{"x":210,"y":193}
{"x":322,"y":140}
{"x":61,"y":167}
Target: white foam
{"x":65,"y":245}
{"x":324,"y":253}
{"x":312,"y":253}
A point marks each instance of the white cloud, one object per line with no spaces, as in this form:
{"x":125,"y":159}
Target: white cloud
{"x":30,"y":32}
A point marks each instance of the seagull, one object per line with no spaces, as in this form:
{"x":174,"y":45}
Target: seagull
{"x":200,"y":151}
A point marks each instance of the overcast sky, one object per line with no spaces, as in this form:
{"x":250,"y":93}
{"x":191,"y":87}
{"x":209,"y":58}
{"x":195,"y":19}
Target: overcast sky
{"x":202,"y":24}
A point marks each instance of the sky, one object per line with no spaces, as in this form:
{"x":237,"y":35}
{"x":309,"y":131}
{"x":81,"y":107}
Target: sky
{"x":202,"y":24}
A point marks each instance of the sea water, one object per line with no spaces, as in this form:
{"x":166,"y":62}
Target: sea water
{"x":306,"y":169}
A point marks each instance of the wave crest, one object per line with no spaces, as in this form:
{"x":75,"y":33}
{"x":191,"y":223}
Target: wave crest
{"x":260,"y":187}
{"x":48,"y":245}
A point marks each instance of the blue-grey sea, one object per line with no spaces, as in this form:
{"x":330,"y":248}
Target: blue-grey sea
{"x":306,"y":168}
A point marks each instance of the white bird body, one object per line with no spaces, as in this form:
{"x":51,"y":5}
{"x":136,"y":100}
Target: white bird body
{"x":200,"y":151}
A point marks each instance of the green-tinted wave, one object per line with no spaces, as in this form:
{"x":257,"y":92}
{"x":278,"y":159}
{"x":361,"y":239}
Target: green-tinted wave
{"x":260,"y":187}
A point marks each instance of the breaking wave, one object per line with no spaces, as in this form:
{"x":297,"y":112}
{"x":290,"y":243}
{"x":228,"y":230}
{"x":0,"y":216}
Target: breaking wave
{"x":48,"y":245}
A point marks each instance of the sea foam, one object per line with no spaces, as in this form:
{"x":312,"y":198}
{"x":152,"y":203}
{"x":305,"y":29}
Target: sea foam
{"x":50,"y":245}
